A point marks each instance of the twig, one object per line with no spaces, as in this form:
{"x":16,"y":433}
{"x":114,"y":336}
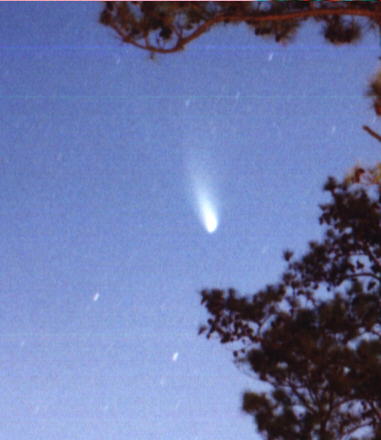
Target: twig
{"x":372,"y":132}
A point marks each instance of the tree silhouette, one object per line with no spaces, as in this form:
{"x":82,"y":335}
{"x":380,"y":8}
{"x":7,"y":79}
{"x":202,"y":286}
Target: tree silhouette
{"x":166,"y":27}
{"x":314,"y":338}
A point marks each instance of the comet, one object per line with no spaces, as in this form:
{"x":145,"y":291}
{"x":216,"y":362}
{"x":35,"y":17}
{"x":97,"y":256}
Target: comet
{"x":208,"y":213}
{"x":203,"y":189}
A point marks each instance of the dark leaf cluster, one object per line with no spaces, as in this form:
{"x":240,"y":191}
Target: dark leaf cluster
{"x":166,"y":27}
{"x":315,"y":337}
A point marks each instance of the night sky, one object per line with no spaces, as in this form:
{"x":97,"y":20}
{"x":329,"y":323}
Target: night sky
{"x":113,"y":167}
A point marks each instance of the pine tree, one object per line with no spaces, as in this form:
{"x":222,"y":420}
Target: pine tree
{"x":315,"y":337}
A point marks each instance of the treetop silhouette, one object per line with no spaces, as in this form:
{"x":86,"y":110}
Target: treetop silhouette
{"x":314,"y":338}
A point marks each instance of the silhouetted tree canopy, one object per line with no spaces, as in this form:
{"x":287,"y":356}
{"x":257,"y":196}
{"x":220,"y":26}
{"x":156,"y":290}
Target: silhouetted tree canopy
{"x":169,"y":26}
{"x":314,"y":337}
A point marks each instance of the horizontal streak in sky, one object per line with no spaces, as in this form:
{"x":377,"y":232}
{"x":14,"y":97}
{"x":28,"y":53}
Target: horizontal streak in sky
{"x":178,"y":97}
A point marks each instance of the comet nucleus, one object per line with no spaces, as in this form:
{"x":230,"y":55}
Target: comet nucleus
{"x":208,"y":215}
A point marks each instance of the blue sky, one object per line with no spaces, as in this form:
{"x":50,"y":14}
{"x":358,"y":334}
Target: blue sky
{"x":103,"y":254}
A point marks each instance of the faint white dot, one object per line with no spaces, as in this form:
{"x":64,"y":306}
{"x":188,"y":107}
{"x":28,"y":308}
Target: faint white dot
{"x":22,"y":343}
{"x":162,"y":381}
{"x":333,"y":129}
{"x":96,"y":296}
{"x":175,"y":356}
{"x":264,"y":250}
{"x":105,"y":408}
{"x":187,"y":103}
{"x":271,"y":56}
{"x":237,"y":95}
{"x":36,"y":409}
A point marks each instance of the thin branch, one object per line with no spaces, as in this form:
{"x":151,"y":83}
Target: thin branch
{"x":361,"y":274}
{"x":372,"y":132}
{"x":356,"y":428}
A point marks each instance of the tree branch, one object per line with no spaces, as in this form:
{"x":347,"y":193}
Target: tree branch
{"x":263,"y":17}
{"x":372,"y":132}
{"x":361,"y":274}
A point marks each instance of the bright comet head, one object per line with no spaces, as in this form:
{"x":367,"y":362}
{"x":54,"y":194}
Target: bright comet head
{"x":209,"y":216}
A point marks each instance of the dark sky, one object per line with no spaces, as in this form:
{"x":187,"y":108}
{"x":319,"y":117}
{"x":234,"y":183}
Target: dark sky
{"x":112,"y":168}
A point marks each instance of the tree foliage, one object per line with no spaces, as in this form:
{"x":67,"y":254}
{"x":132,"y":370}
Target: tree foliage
{"x":167,"y":27}
{"x":314,"y":337}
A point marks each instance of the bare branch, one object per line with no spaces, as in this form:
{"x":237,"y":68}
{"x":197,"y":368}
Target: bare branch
{"x":372,"y":132}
